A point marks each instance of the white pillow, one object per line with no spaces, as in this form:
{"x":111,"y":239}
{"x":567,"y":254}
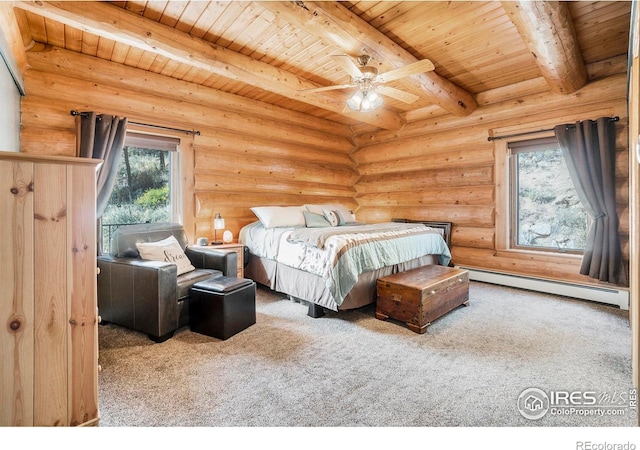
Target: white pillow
{"x":280,"y":216}
{"x":167,"y":250}
{"x":343,"y":211}
{"x":333,"y":217}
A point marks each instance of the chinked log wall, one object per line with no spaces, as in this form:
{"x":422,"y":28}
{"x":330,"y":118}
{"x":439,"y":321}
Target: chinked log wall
{"x":443,"y":168}
{"x":439,"y":167}
{"x":248,"y":153}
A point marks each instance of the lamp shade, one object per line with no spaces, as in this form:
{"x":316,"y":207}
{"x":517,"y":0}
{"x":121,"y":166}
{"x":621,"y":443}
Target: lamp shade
{"x":218,"y":222}
{"x":364,"y":101}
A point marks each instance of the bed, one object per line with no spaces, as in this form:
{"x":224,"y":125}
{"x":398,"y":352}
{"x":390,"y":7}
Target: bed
{"x":321,"y":255}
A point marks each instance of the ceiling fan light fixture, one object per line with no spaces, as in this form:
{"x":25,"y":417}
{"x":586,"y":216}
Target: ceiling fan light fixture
{"x":355,"y":101}
{"x":364,"y":101}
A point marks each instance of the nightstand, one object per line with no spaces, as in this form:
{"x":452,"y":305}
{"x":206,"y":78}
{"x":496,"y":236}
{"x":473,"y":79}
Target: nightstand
{"x":233,"y":246}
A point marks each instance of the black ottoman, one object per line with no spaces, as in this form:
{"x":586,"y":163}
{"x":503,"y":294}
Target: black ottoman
{"x":221,"y":307}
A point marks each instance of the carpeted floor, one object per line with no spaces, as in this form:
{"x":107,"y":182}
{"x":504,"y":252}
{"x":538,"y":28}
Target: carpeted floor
{"x":350,"y":369}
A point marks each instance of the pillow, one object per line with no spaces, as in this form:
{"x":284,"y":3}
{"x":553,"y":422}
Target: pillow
{"x":344,"y":212}
{"x":333,"y":217}
{"x":280,"y":216}
{"x":167,"y":250}
{"x":313,"y":220}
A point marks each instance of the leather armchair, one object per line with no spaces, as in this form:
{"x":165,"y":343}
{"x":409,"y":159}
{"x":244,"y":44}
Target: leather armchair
{"x":149,"y":296}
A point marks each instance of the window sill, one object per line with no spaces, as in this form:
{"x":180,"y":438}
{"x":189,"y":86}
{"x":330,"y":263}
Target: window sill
{"x":533,"y":254}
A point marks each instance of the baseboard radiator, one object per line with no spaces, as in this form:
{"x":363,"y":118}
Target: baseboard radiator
{"x":611,"y":296}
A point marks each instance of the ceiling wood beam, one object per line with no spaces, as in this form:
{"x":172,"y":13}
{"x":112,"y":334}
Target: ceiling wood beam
{"x":131,"y":29}
{"x":547,"y":29}
{"x":335,"y":24}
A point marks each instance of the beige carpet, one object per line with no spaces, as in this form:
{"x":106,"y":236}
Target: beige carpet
{"x":350,"y":369}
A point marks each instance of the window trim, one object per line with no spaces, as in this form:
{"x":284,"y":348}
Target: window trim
{"x":503,"y":203}
{"x":514,"y":148}
{"x":170,"y":144}
{"x":188,"y":203}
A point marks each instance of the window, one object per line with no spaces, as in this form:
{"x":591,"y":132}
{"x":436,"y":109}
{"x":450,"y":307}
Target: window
{"x":545,"y":211}
{"x":147,"y":186}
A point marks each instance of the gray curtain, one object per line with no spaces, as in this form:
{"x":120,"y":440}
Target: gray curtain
{"x":102,"y":137}
{"x":589,"y":149}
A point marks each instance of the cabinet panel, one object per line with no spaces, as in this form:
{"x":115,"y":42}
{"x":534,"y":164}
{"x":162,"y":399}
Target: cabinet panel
{"x":16,"y":295}
{"x":50,"y":363}
{"x":83,"y":318}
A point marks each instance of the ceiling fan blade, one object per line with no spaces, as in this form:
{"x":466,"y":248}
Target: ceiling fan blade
{"x":412,"y":69}
{"x":325,"y":88}
{"x":346,"y":62}
{"x":405,"y":97}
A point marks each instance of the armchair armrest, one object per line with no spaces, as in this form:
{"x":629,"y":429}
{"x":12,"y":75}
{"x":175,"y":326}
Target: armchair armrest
{"x":209,"y":258}
{"x":139,"y":294}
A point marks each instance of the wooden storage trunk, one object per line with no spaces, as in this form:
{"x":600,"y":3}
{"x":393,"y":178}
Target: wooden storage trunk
{"x":421,"y":295}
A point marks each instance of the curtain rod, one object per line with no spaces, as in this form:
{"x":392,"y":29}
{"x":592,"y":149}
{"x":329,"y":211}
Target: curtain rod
{"x":195,"y":133}
{"x":491,"y":138}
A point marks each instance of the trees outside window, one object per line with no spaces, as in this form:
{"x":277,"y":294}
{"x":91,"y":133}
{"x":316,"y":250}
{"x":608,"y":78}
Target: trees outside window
{"x":145,"y":190}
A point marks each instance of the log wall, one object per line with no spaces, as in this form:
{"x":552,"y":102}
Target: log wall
{"x":438,"y":167}
{"x":444,"y":168}
{"x":248,"y":153}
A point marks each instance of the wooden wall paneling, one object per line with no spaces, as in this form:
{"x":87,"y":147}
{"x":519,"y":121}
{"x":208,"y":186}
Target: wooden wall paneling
{"x":417,"y":145}
{"x":235,"y":207}
{"x":462,"y":215}
{"x":424,"y":179}
{"x":473,"y":237}
{"x":252,"y":145}
{"x":66,"y":63}
{"x":284,"y":168}
{"x":242,"y":139}
{"x":445,"y":159}
{"x":534,"y":265}
{"x":47,"y":141}
{"x":516,"y":109}
{"x":436,"y":195}
{"x":151,"y":108}
{"x":17,"y":350}
{"x":212,"y":180}
{"x":51,"y":292}
{"x":37,"y":112}
{"x":447,"y":145}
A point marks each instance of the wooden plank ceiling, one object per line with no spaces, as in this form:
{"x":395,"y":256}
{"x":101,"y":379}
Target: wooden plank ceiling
{"x":269,"y":51}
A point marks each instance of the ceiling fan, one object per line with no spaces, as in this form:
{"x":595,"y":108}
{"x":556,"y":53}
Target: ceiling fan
{"x":370,"y":83}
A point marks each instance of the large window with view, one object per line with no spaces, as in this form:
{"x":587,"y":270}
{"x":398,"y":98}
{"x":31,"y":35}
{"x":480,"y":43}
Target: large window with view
{"x":546,"y":213}
{"x":147,"y":187}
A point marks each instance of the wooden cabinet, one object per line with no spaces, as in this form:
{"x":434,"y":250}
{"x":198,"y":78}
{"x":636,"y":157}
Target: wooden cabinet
{"x":48,"y":308}
{"x":239,"y":249}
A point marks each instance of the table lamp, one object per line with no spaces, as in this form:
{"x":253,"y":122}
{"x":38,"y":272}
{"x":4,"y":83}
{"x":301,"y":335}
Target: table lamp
{"x":218,"y":224}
